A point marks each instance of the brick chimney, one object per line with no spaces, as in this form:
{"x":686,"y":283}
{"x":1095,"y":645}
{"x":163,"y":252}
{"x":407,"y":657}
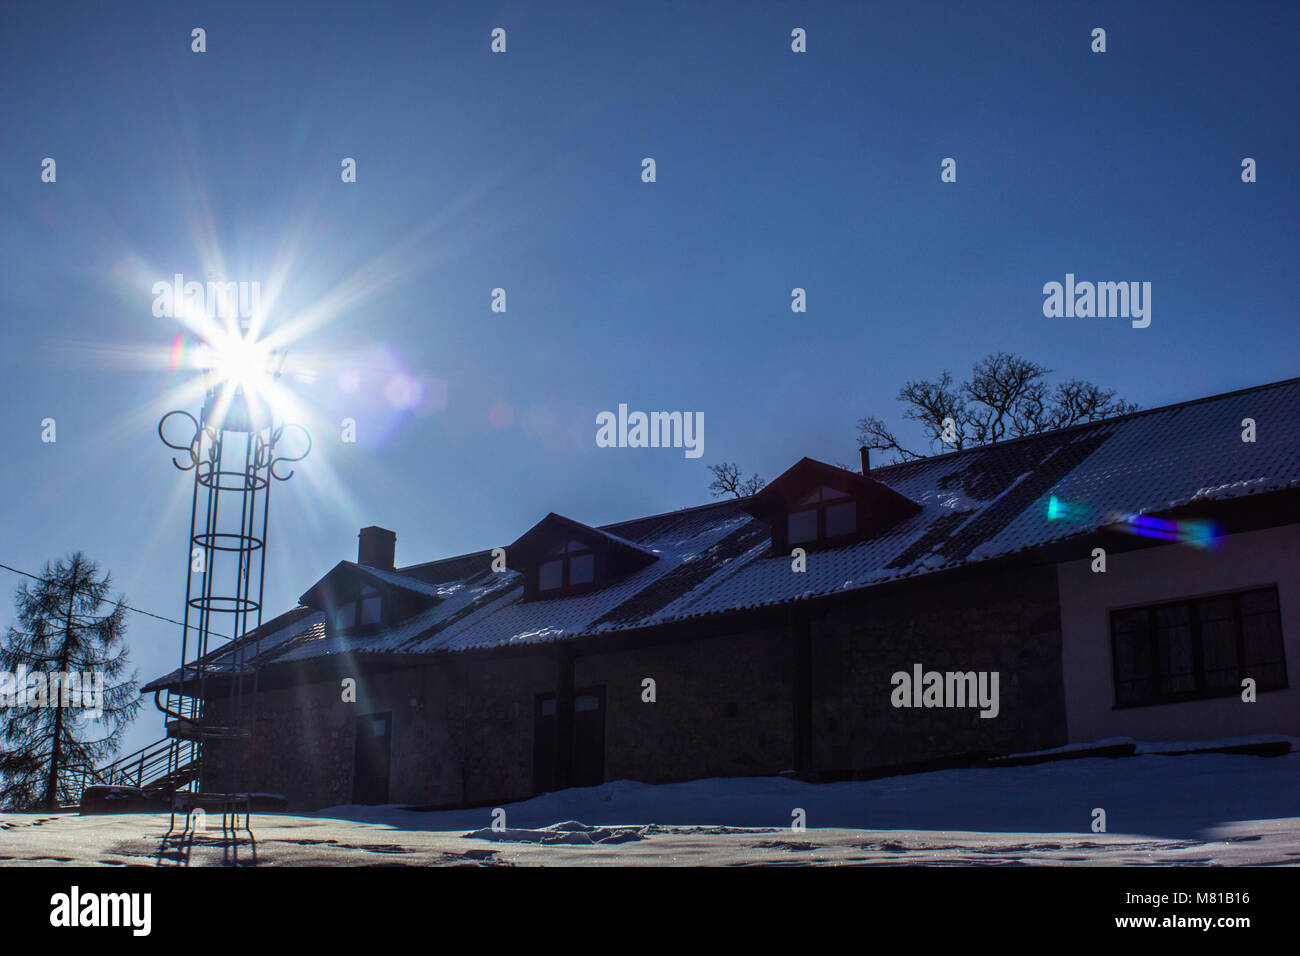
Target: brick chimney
{"x":377,"y":548}
{"x":865,"y":454}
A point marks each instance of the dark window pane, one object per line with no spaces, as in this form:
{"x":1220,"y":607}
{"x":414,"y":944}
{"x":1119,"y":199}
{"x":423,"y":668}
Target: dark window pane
{"x":1172,"y":616}
{"x":1219,"y":652}
{"x":1133,"y":657}
{"x":1268,"y":676}
{"x":1175,"y":662}
{"x":346,"y":615}
{"x":1216,"y":610}
{"x":802,"y":526}
{"x":841,"y":519}
{"x":1135,"y":692}
{"x":1127,"y":621}
{"x":582,"y":569}
{"x":548,"y":707}
{"x":1134,"y":668}
{"x":1259,"y":602}
{"x":371,"y":610}
{"x":1263,"y":638}
{"x":586,"y":702}
{"x":550,"y":575}
{"x":1220,"y":680}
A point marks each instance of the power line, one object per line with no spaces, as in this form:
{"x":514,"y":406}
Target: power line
{"x":137,"y":610}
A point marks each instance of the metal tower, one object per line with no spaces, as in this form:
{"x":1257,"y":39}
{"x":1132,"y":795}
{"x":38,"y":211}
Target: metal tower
{"x":235,"y":450}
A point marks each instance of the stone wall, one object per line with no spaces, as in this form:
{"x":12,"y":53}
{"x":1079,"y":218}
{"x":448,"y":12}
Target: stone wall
{"x":462,"y":732}
{"x":722,"y":708}
{"x":1006,"y":622}
{"x":463,"y":729}
{"x":301,"y":747}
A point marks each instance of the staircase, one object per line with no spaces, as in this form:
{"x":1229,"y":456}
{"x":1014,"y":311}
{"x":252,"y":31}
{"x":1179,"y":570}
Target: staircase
{"x":159,"y":769}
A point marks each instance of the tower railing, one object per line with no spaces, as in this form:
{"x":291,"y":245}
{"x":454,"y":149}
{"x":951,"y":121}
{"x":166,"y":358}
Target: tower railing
{"x":234,"y":450}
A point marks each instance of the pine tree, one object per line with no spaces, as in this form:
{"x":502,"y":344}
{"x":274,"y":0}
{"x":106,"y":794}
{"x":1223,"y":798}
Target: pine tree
{"x":47,"y":734}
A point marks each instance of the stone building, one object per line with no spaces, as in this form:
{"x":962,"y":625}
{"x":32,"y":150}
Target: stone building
{"x":1138,"y":576}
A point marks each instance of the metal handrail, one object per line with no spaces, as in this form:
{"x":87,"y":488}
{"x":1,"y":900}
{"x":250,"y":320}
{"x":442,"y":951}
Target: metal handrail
{"x":140,"y":768}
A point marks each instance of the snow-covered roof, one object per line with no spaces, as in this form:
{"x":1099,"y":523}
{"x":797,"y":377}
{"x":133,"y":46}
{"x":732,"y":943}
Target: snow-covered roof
{"x":399,"y":580}
{"x":975,"y":505}
{"x":259,"y":645}
{"x":353,"y":571}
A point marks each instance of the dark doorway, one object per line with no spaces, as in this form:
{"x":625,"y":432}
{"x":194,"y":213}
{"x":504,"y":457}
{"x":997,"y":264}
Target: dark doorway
{"x":588,"y":740}
{"x":544,"y":743}
{"x":588,"y":737}
{"x":373,"y":754}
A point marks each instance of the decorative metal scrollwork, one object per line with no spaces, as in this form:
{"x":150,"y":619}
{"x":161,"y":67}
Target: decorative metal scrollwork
{"x":277,"y":459}
{"x":191,"y":447}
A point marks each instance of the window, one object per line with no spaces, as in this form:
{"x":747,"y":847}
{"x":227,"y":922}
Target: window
{"x":570,"y":566}
{"x":372,"y":606}
{"x":841,"y":519}
{"x":1199,"y":648}
{"x":365,"y":611}
{"x":802,"y":526}
{"x":550,"y":575}
{"x":825,"y":514}
{"x":345,"y":615}
{"x":582,"y":568}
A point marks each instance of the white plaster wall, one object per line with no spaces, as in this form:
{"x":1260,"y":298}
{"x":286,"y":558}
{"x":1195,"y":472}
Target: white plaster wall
{"x":1168,"y":573}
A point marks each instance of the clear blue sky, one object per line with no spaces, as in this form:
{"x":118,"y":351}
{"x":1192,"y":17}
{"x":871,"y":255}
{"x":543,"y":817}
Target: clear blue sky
{"x":522,"y":171}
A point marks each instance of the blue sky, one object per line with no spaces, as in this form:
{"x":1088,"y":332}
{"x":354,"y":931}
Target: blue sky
{"x":522,"y":171}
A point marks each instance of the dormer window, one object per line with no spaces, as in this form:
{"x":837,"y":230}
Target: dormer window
{"x":570,"y":566}
{"x":558,"y":557}
{"x":366,"y":611}
{"x":815,"y":505}
{"x":360,"y":597}
{"x":822,"y":515}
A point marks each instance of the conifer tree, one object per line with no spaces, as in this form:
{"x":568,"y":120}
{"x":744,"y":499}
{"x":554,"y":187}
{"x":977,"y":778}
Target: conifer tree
{"x":52,"y":726}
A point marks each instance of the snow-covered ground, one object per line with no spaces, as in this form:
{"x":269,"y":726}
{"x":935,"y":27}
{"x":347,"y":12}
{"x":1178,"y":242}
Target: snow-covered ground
{"x":1199,"y":809}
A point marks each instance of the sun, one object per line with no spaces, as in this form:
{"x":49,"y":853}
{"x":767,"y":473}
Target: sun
{"x":240,"y":374}
{"x":239,"y":359}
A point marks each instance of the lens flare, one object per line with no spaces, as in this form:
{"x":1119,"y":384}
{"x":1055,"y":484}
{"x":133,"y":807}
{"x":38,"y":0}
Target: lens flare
{"x":178,"y":351}
{"x":1199,"y":534}
{"x":1058,"y":510}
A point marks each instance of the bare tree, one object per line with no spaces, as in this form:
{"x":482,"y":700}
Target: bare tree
{"x":727,"y":480}
{"x":1006,"y":397}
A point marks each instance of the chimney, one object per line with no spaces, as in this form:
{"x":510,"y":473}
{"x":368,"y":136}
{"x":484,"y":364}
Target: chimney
{"x":377,"y":548}
{"x":865,"y":453}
